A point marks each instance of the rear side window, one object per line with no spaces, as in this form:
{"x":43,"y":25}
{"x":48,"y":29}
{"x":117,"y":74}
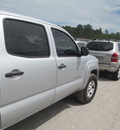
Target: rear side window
{"x":100,"y":46}
{"x":64,"y":44}
{"x":25,"y":39}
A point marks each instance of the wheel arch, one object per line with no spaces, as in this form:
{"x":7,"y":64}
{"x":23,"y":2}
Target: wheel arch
{"x":96,"y":72}
{"x":90,"y":69}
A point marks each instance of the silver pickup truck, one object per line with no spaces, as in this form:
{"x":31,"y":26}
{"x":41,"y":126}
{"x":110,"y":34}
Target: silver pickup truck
{"x":40,"y":65}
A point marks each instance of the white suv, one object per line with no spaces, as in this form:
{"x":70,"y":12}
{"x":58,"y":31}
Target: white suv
{"x":108,"y":54}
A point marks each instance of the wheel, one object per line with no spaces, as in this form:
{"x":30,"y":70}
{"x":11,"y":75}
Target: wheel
{"x":116,"y":75}
{"x":86,"y":95}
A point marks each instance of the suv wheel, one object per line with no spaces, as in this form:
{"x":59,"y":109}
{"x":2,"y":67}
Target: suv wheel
{"x":87,"y":94}
{"x":116,"y":75}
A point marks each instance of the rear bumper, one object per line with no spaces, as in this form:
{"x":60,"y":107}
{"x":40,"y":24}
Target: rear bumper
{"x":112,"y":67}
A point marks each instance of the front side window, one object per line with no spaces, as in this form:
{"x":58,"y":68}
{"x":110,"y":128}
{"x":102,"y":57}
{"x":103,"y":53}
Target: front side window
{"x":64,"y":44}
{"x":25,"y":39}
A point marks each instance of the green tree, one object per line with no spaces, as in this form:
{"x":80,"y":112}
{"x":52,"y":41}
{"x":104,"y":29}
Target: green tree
{"x":79,"y":30}
{"x":87,"y":31}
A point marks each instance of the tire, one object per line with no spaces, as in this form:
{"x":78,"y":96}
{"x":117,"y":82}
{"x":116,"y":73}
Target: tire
{"x":86,"y":95}
{"x":116,"y":75}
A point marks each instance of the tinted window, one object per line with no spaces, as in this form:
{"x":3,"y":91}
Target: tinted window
{"x":81,"y":44}
{"x":119,"y":46}
{"x":100,"y":46}
{"x":25,"y":39}
{"x":64,"y":44}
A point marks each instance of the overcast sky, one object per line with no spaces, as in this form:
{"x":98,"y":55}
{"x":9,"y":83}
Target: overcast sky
{"x":98,"y":13}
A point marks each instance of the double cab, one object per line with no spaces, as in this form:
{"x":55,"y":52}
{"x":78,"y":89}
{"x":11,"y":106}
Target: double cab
{"x":40,"y":64}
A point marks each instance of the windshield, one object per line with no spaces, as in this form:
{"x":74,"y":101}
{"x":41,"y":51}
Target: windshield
{"x":100,"y":46}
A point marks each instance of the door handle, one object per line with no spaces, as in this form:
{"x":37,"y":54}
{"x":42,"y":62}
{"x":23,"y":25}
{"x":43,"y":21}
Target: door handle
{"x":61,"y":66}
{"x":14,"y":72}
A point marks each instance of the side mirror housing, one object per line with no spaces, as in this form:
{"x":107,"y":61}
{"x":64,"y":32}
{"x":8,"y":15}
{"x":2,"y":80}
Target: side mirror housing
{"x":84,"y":51}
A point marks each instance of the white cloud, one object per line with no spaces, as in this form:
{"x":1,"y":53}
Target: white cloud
{"x":69,"y":12}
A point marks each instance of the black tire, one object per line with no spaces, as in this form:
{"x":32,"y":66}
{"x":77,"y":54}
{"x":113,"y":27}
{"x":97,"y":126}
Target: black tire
{"x":116,"y":75}
{"x":86,"y":95}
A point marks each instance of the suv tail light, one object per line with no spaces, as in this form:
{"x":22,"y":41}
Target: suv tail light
{"x":114,"y":57}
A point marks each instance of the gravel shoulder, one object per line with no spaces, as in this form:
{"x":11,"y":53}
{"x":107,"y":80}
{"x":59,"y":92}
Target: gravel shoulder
{"x":103,"y":113}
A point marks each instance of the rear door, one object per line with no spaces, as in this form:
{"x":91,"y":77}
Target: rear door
{"x":119,"y":52}
{"x":27,"y":67}
{"x":103,"y":57}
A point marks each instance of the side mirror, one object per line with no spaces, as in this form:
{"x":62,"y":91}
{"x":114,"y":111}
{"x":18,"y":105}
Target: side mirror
{"x":84,"y":51}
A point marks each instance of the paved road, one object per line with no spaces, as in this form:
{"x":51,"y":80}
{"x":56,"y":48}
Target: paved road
{"x":103,"y":113}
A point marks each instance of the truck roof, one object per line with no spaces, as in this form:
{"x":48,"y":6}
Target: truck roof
{"x":26,"y":17}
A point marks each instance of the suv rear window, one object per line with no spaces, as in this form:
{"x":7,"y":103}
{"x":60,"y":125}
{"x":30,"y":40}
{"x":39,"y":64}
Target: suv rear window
{"x":100,"y":46}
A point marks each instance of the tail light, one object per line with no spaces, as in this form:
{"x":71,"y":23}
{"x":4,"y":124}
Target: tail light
{"x":114,"y":57}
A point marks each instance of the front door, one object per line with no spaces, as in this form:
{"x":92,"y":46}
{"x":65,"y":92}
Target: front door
{"x":69,"y":65}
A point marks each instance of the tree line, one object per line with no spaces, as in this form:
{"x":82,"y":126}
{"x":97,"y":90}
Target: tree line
{"x":87,"y":31}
